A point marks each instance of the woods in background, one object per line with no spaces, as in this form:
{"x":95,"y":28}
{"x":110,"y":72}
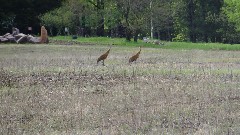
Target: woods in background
{"x":171,"y":20}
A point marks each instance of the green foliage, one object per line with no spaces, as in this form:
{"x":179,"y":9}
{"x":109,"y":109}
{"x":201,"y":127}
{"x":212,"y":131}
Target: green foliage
{"x":198,"y":19}
{"x":180,"y":38}
{"x":7,"y":22}
{"x":135,"y":17}
{"x":112,"y":15}
{"x":162,"y":18}
{"x":232,"y":10}
{"x":60,"y":18}
{"x":178,"y":20}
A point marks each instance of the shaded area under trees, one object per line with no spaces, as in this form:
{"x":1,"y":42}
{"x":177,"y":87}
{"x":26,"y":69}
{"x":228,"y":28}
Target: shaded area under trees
{"x":23,"y":14}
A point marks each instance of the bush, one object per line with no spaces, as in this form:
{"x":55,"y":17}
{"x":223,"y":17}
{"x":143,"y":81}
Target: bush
{"x":180,"y":38}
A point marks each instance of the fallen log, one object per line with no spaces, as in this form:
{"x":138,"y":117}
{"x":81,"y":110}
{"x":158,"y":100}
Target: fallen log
{"x":21,"y":38}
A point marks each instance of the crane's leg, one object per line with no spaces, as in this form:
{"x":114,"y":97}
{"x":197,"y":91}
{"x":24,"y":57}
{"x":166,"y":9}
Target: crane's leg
{"x":98,"y":61}
{"x":103,"y":63}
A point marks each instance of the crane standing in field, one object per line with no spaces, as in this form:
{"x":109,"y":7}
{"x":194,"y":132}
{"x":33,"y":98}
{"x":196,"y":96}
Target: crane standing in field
{"x":135,"y":57}
{"x":104,"y":56}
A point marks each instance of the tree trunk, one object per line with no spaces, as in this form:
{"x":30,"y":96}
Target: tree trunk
{"x":158,"y":34}
{"x":100,"y":27}
{"x":136,"y":35}
{"x":205,"y":38}
{"x":191,"y":18}
{"x":128,"y":34}
{"x":128,"y":30}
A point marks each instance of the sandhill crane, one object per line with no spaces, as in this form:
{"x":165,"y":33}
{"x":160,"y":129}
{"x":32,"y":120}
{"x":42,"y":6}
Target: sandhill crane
{"x":104,"y":56}
{"x":135,"y":57}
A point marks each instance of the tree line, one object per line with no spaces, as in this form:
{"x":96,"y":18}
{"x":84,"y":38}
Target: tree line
{"x":171,"y":20}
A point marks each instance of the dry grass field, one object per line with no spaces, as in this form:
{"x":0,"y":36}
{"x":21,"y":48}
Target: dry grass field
{"x":60,"y":89}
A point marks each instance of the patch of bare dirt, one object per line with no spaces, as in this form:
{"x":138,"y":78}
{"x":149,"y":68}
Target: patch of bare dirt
{"x":69,"y":42}
{"x":48,"y":79}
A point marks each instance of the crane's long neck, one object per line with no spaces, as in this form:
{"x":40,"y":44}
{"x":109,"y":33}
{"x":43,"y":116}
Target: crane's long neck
{"x":108,"y":51}
{"x":139,"y":51}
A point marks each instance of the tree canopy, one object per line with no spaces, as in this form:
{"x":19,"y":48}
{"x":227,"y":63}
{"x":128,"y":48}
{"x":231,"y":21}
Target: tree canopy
{"x":172,"y":20}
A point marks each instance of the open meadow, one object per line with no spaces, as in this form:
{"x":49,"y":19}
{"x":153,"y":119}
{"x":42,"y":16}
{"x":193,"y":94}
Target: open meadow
{"x":59,"y":89}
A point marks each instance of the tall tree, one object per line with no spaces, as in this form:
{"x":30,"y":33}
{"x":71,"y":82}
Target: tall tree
{"x":180,"y":22}
{"x":209,"y":15}
{"x":99,"y":6}
{"x":199,"y":19}
{"x":135,"y":16}
{"x":232,"y":10}
{"x":231,"y":29}
{"x":112,"y":19}
{"x":59,"y":18}
{"x":162,"y":19}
